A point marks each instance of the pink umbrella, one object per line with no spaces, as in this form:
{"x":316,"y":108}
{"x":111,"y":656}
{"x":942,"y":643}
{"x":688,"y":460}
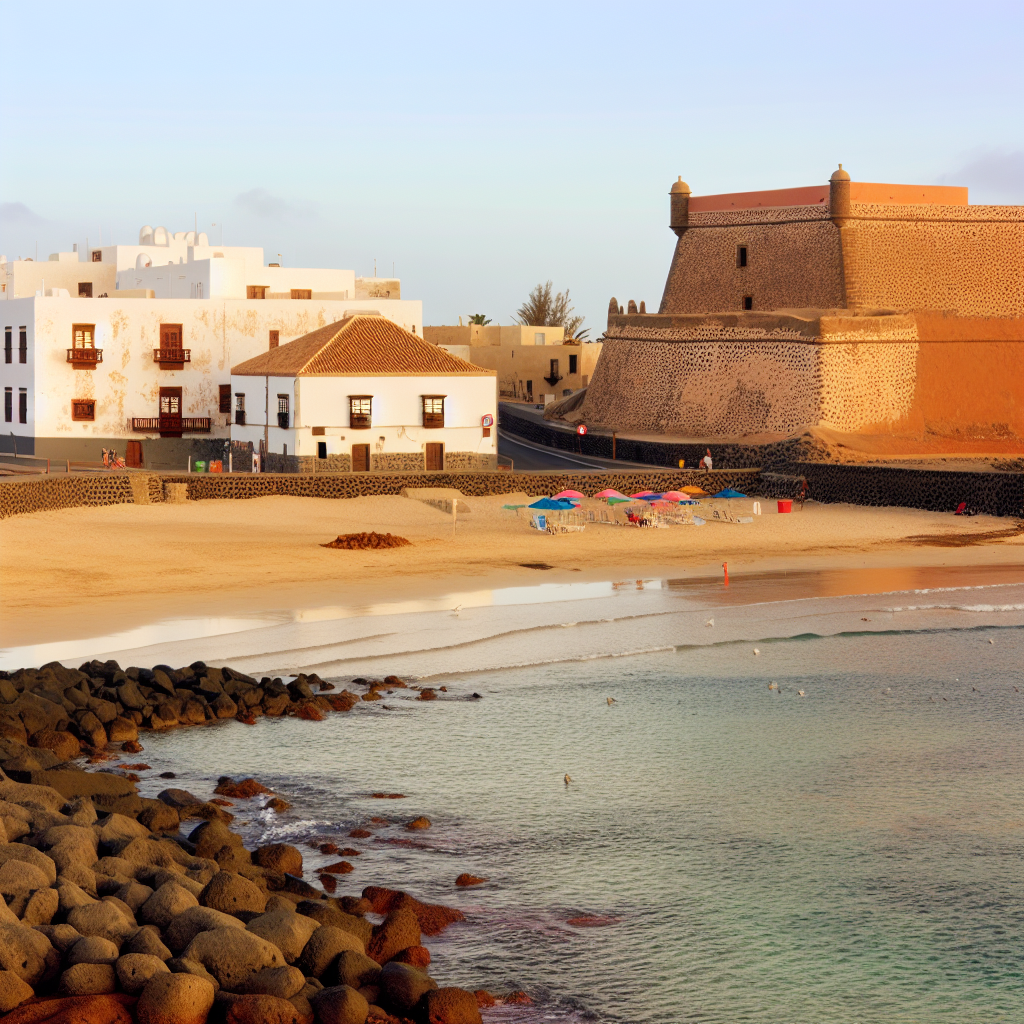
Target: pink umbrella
{"x":609,"y":492}
{"x":568,"y":494}
{"x":644,"y":495}
{"x":676,"y":496}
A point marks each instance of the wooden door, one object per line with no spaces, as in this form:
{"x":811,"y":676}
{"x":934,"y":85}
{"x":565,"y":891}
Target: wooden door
{"x":170,"y":336}
{"x":435,"y":456}
{"x":360,"y":458}
{"x":133,"y":457}
{"x":170,"y":412}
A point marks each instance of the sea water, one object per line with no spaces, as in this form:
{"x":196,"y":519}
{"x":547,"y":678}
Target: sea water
{"x":723,"y":852}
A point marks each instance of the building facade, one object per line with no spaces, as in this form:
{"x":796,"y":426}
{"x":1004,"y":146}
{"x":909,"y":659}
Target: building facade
{"x":363,"y":395}
{"x":858,"y":306}
{"x":150,"y":376}
{"x":533,"y":364}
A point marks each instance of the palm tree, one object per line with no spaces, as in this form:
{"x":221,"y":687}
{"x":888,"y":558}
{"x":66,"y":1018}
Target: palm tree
{"x":544,"y":309}
{"x":480,"y":319}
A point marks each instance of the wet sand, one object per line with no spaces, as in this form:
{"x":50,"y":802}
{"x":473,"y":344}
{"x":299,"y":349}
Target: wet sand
{"x":87,"y":571}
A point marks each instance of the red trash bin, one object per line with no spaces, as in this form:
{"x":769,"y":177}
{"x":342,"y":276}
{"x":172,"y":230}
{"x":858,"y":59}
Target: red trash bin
{"x":786,"y":506}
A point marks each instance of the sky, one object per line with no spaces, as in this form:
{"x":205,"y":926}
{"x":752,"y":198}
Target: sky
{"x":477,"y":149}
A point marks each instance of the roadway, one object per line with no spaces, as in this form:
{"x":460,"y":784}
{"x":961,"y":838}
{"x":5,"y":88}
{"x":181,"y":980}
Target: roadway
{"x":530,"y":457}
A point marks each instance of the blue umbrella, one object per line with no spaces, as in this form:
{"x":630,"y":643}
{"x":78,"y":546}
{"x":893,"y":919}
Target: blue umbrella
{"x":553,"y":504}
{"x":729,"y":493}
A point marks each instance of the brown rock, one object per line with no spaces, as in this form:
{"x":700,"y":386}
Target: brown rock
{"x":224,"y":707}
{"x":516,"y":998}
{"x":88,"y":980}
{"x":466,"y":879}
{"x":402,"y":987}
{"x":132,"y":747}
{"x":231,"y":954}
{"x":288,"y":932}
{"x":276,"y":804}
{"x":231,"y":893}
{"x":341,"y":867}
{"x":484,"y":998}
{"x":417,"y":824}
{"x":134,"y":970}
{"x":263,"y":1010}
{"x":283,"y":982}
{"x":398,"y":931}
{"x":353,"y":969}
{"x":92,"y":949}
{"x":340,"y":1005}
{"x":452,"y":1006}
{"x":323,"y":947}
{"x":101,"y":919}
{"x":433,"y":918}
{"x":105,"y":1009}
{"x":181,"y":932}
{"x":360,"y":833}
{"x":122,"y":730}
{"x":175,"y":999}
{"x":63,"y":744}
{"x":280,"y":858}
{"x":427,"y":694}
{"x":13,"y":991}
{"x":326,"y":912}
{"x":241,"y":790}
{"x":417,"y":956}
{"x":170,"y":900}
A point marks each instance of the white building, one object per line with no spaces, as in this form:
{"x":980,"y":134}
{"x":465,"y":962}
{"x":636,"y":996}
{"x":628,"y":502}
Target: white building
{"x":149,"y":375}
{"x":365,"y":395}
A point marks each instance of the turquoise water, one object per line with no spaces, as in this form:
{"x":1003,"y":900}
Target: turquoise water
{"x":855,"y":854}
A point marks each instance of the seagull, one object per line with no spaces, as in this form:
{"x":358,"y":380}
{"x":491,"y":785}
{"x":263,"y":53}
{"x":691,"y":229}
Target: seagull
{"x":568,"y":779}
{"x":800,"y":693}
{"x":612,"y":700}
{"x":456,"y":610}
{"x":756,"y":651}
{"x":991,"y":641}
{"x":710,"y":622}
{"x":773,"y":686}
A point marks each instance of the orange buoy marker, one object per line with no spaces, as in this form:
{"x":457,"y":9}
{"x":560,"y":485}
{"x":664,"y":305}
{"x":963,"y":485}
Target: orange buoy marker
{"x":725,"y":567}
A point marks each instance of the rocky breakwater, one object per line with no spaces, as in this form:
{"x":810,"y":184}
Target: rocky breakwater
{"x":112,"y":913}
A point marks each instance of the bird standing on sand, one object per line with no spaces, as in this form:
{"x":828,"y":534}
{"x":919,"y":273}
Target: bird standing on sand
{"x":710,"y":622}
{"x":568,"y":779}
{"x":612,"y":700}
{"x":456,"y":610}
{"x":800,"y":693}
{"x":773,"y":686}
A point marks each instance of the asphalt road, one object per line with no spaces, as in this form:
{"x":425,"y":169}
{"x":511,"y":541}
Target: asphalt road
{"x":527,"y":456}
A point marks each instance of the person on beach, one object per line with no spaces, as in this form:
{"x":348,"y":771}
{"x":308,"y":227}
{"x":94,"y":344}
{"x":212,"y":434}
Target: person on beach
{"x":706,"y":461}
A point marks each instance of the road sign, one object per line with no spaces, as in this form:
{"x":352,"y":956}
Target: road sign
{"x":581,"y":429}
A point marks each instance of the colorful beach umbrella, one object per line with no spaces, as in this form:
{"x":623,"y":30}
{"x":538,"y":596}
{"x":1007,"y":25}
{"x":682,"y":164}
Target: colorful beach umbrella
{"x":676,"y":496}
{"x":553,"y":505}
{"x":568,"y":494}
{"x":729,"y":493}
{"x":609,"y":492}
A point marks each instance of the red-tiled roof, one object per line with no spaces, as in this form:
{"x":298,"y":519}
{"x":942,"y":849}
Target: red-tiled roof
{"x":359,"y":346}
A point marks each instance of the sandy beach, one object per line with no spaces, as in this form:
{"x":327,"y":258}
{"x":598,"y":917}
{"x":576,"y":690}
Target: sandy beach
{"x":82,"y":571}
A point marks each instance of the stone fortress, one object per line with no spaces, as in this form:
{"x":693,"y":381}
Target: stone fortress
{"x":861,"y":307}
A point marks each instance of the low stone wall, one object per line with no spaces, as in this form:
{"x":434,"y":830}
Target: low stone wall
{"x":657,"y":453}
{"x":48,"y":493}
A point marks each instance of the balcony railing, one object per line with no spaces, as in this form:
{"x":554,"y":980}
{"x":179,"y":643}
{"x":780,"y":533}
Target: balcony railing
{"x":172,"y":358}
{"x":171,"y":424}
{"x":239,"y":417}
{"x":359,"y":421}
{"x":85,"y":358}
{"x":282,"y":420}
{"x":433,"y":420}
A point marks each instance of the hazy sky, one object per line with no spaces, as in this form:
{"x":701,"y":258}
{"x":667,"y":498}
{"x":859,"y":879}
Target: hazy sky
{"x":481,"y":148}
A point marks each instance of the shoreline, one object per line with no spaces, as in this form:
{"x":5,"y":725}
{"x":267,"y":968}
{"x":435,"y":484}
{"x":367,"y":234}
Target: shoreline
{"x":62,"y":578}
{"x":164,"y":909}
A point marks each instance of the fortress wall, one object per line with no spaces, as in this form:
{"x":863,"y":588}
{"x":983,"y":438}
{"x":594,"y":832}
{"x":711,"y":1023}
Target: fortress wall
{"x":790,"y":265}
{"x":970,"y":262}
{"x":861,"y":375}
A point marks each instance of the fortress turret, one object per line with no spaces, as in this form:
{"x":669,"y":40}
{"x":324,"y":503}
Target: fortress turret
{"x":679,"y":219}
{"x":839,"y":196}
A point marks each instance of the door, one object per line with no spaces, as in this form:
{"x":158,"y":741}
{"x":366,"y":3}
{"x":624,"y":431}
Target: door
{"x":170,"y":412}
{"x":133,"y":457}
{"x":435,"y":456}
{"x":170,"y":336}
{"x":360,"y":458}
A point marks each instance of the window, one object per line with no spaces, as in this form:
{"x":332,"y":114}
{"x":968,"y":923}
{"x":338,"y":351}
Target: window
{"x":553,"y":376}
{"x":199,"y":289}
{"x":170,"y":337}
{"x":97,"y":255}
{"x":741,"y":255}
{"x":8,"y":352}
{"x":321,"y":449}
{"x":529,"y":387}
{"x":82,"y":335}
{"x":255,"y":291}
{"x":8,"y":405}
{"x":359,"y":407}
{"x":566,"y":392}
{"x":23,"y":405}
{"x":573,"y":363}
{"x":85,"y":289}
{"x":433,"y":410}
{"x":302,"y":293}
{"x":83,"y":409}
{"x":225,"y":398}
{"x":748,"y":301}
{"x":538,"y":338}
{"x":275,"y":339}
{"x":170,"y":402}
{"x":240,"y":408}
{"x":282,"y":411}
{"x":23,"y":345}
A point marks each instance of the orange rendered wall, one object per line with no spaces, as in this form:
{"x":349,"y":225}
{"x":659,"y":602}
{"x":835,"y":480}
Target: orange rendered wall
{"x":970,"y":376}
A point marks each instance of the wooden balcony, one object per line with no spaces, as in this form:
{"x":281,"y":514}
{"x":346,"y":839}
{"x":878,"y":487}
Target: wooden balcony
{"x":433,"y":420}
{"x":85,"y":358}
{"x":172,"y":358}
{"x":171,"y":426}
{"x":359,"y":421}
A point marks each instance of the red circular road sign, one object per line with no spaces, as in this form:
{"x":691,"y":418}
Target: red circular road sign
{"x":487,"y":421}
{"x":581,"y":429}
